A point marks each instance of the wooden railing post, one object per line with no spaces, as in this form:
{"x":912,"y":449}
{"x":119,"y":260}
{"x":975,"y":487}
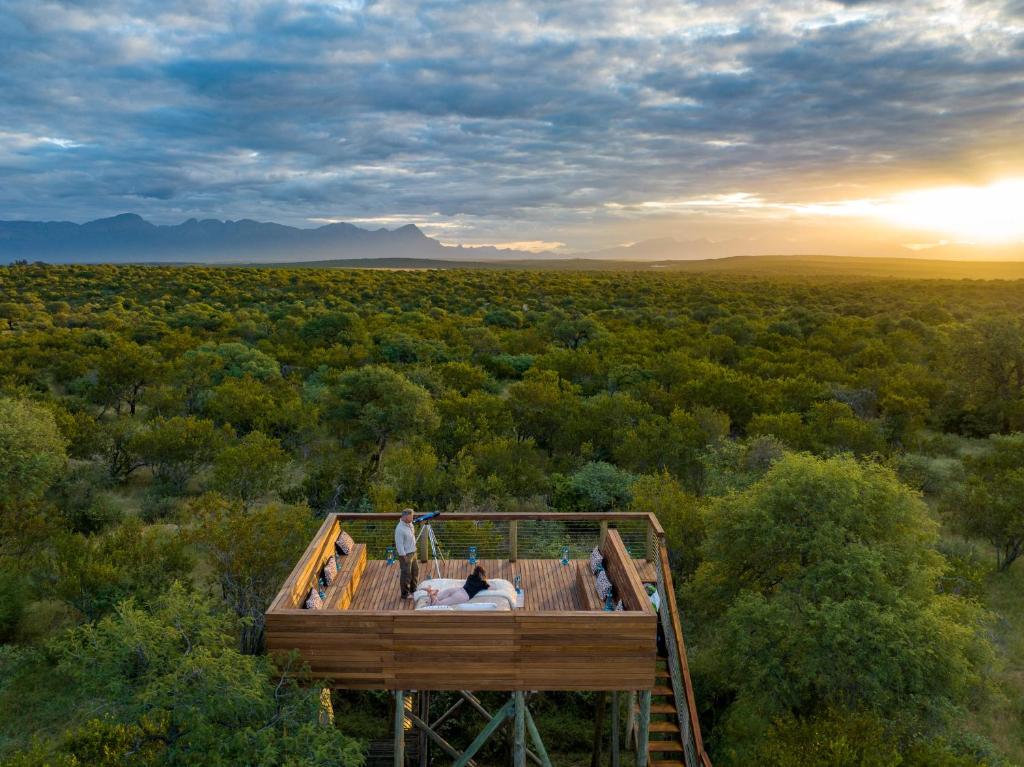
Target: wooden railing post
{"x":513,"y":540}
{"x":604,"y":531}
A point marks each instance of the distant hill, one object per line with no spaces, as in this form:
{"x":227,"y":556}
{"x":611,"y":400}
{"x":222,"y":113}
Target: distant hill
{"x":129,"y":237}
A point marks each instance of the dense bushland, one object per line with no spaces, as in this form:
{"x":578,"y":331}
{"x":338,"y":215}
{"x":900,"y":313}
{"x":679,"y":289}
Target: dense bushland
{"x":836,"y":463}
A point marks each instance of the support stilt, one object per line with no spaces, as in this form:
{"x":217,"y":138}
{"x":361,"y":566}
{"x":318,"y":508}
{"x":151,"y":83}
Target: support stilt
{"x":537,"y":742}
{"x":473,"y":701}
{"x":519,"y":731}
{"x":443,"y":744}
{"x":643,"y":729}
{"x":399,"y":729}
{"x":423,"y":697}
{"x":615,"y":728}
{"x":595,"y":754}
{"x":494,"y":724}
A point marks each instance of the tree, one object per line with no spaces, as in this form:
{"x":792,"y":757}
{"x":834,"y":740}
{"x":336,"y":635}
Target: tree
{"x":250,"y":468}
{"x":542,"y":406}
{"x":122,"y":374}
{"x":597,"y":486}
{"x":176,"y":448}
{"x":679,"y":513}
{"x":32,"y":451}
{"x":503,"y":468}
{"x":164,"y":687}
{"x":92,"y":574}
{"x":818,"y":587}
{"x":374,"y":404}
{"x":989,"y":503}
{"x":252,"y":553}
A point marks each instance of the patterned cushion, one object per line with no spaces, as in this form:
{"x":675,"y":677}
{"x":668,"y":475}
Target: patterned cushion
{"x":619,"y":607}
{"x":330,"y":570}
{"x":604,"y":586}
{"x":344,"y":543}
{"x":313,"y":601}
{"x":596,"y":560}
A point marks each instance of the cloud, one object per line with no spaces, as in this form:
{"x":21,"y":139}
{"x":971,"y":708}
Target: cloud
{"x":499,"y":117}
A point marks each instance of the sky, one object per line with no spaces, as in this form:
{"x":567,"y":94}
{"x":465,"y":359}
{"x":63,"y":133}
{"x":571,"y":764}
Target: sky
{"x":740,"y":127}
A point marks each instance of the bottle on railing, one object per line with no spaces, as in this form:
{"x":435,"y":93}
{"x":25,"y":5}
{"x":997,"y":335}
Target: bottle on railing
{"x":518,"y":583}
{"x":472,"y":555}
{"x":391,"y":555}
{"x":565,"y":555}
{"x":609,"y":605}
{"x":321,"y":588}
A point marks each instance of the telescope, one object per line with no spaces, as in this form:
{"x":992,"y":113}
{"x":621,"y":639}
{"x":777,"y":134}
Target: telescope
{"x":427,"y":516}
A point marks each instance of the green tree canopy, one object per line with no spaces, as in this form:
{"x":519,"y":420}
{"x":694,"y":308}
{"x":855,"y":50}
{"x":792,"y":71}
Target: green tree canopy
{"x":818,"y":586}
{"x":32,"y":451}
{"x":989,"y":503}
{"x":166,"y":688}
{"x":250,"y":468}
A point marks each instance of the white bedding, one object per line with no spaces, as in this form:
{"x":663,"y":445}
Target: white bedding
{"x":501,"y":594}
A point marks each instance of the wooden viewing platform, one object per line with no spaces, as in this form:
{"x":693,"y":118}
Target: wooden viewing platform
{"x":559,"y":636}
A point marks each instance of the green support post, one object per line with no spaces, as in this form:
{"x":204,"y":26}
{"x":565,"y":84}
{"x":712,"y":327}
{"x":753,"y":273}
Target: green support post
{"x":399,"y":728}
{"x":519,"y":731}
{"x":643,"y":730}
{"x":486,"y":733}
{"x":537,"y":742}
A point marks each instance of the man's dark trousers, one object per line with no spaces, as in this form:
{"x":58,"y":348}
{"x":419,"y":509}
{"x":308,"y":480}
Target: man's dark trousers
{"x":410,"y":573}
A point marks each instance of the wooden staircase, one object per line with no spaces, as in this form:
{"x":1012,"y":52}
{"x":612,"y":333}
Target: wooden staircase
{"x":664,"y":745}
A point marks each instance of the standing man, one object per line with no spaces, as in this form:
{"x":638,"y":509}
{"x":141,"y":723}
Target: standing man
{"x":405,"y":547}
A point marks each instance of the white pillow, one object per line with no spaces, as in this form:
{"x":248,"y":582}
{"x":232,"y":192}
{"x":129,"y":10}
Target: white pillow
{"x":473,"y":606}
{"x":435,"y":607}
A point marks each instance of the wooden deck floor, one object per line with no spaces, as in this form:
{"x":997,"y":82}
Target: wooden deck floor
{"x":547,"y":584}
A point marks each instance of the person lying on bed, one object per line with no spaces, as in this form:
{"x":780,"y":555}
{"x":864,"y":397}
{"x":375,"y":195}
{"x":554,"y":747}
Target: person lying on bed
{"x":456,"y":595}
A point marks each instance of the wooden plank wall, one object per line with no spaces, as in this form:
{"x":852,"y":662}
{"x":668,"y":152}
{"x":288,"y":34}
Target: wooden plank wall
{"x":453,"y":651}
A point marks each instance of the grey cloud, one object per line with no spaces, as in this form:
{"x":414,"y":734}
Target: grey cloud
{"x":494,"y":111}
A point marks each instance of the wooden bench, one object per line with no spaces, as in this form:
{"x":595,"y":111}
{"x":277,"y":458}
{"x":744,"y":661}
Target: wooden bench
{"x":622,"y":573}
{"x":586,"y":591}
{"x":350,"y":572}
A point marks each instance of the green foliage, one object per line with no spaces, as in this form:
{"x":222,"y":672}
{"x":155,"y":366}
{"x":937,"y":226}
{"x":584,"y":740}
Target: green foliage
{"x":32,"y":451}
{"x":92,"y":574}
{"x":597,"y":486}
{"x":680,"y":514}
{"x":165,"y":687}
{"x":250,"y":468}
{"x":252,"y":553}
{"x":176,"y":448}
{"x":818,"y":586}
{"x":14,"y":596}
{"x":989,"y":503}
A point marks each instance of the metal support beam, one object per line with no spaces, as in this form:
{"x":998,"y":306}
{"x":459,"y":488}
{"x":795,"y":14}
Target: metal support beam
{"x":615,"y":728}
{"x":537,"y":742}
{"x":519,"y":731}
{"x":473,"y":701}
{"x":399,"y":728}
{"x":444,"y":717}
{"x":494,"y":724}
{"x":643,"y":729}
{"x":444,"y":745}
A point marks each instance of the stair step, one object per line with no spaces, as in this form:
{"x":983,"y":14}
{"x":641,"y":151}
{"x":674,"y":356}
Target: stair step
{"x":665,"y":746}
{"x":664,"y":727}
{"x":661,"y":674}
{"x":668,"y":763}
{"x":662,"y":708}
{"x":662,"y":690}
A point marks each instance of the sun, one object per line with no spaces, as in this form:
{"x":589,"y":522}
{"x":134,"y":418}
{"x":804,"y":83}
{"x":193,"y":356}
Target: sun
{"x":982,"y":214}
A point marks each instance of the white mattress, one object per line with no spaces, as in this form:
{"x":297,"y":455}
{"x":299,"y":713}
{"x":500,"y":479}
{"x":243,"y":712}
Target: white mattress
{"x":501,"y":594}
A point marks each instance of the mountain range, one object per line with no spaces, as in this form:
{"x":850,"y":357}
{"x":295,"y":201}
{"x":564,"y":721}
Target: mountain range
{"x":130,"y":238}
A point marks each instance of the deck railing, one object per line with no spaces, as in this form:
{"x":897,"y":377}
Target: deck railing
{"x":510,"y":535}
